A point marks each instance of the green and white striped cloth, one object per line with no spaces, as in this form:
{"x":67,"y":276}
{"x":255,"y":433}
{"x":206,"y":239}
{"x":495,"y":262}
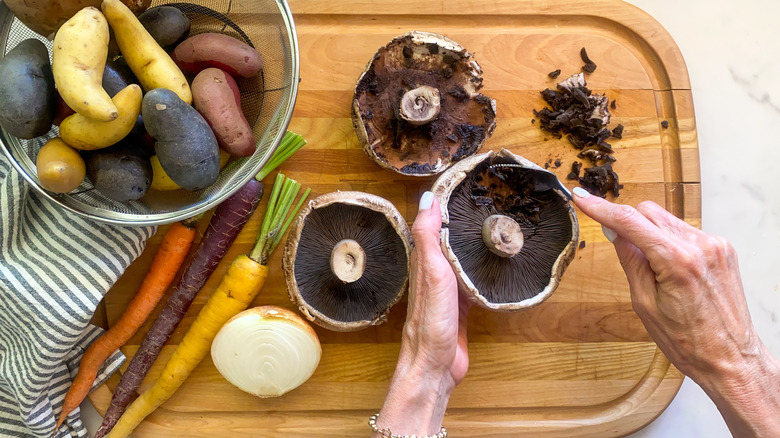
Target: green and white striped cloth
{"x":54,"y":269}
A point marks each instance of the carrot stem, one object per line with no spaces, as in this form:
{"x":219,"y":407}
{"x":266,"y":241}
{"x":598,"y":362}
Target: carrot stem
{"x":273,"y":227}
{"x":290,"y":217}
{"x":290,"y":144}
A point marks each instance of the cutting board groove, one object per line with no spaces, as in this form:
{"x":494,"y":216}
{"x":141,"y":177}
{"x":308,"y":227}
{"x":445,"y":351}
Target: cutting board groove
{"x":581,"y":364}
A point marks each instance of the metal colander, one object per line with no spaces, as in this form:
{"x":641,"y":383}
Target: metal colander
{"x":267,"y":103}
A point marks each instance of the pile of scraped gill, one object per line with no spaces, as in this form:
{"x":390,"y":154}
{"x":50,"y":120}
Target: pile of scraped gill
{"x":509,"y":191}
{"x":583,"y":117}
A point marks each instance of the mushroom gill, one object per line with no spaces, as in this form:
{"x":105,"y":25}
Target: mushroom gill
{"x":347,"y":264}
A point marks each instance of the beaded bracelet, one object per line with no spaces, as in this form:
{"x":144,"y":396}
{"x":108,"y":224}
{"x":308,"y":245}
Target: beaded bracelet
{"x":387,"y":433}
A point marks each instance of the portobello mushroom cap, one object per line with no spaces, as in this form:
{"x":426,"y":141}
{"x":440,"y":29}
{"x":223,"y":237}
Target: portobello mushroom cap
{"x":509,"y":230}
{"x":417,"y":107}
{"x":346,"y":261}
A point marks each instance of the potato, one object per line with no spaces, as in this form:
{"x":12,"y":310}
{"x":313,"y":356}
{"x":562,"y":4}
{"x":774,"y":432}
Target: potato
{"x":46,"y":16}
{"x":150,"y":63}
{"x":121,"y":172}
{"x":88,"y":134}
{"x":217,"y":50}
{"x":60,"y":168}
{"x":166,"y":24}
{"x":78,"y":59}
{"x":29,"y":101}
{"x":186,"y":146}
{"x":62,"y":112}
{"x":116,"y":77}
{"x":215,"y":95}
{"x":160,"y":180}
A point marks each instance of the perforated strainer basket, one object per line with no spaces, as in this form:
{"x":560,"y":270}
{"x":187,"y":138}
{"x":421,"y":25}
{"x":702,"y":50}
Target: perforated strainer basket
{"x":267,"y":103}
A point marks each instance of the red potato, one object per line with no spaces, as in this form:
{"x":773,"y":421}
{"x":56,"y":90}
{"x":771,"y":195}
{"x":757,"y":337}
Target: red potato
{"x":215,"y":95}
{"x":220,"y":51}
{"x":62,"y":112}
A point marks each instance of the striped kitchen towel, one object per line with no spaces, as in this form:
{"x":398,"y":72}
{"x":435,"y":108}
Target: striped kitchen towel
{"x":54,"y":269}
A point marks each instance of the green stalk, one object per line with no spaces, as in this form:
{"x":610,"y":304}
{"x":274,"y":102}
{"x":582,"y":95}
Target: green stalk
{"x":290,"y":144}
{"x":290,"y":218}
{"x":267,"y":216}
{"x":283,"y":207}
{"x":277,"y":217}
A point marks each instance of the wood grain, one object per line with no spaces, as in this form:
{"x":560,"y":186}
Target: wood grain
{"x":581,"y":364}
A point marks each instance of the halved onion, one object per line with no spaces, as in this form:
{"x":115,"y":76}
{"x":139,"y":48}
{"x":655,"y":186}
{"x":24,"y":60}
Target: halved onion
{"x":266,"y":351}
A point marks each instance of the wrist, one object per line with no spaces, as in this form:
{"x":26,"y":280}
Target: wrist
{"x":417,"y":398}
{"x":747,"y":392}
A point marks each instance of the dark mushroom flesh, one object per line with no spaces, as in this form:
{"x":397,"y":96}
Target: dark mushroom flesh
{"x":417,"y":108}
{"x":350,"y":262}
{"x":497,"y":191}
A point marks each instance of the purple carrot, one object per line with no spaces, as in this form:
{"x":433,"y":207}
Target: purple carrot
{"x":228,"y":220}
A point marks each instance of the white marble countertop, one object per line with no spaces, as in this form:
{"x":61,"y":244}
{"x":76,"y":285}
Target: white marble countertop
{"x":732,"y":50}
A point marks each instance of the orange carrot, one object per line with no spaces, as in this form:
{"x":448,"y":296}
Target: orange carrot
{"x":170,"y":255}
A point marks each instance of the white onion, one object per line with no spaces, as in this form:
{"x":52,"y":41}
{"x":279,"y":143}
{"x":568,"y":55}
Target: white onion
{"x":266,"y":351}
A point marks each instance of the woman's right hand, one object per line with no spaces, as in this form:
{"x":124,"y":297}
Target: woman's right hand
{"x":686,"y":288}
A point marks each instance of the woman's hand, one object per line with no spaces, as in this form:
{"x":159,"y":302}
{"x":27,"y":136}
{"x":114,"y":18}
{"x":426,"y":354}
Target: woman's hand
{"x":686,"y":289}
{"x":434,"y":355}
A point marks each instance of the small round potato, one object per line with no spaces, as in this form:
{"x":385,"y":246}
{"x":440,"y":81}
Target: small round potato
{"x":60,"y":168}
{"x":121,"y":172}
{"x":166,"y":24}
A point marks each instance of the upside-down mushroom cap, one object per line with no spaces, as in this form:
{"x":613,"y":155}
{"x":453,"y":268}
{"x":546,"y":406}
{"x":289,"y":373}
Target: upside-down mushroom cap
{"x":346,"y":261}
{"x":417,"y":107}
{"x":510,"y":231}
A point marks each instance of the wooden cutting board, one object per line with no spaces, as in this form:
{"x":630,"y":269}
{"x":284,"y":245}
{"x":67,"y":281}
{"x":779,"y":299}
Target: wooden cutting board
{"x":579,"y":365}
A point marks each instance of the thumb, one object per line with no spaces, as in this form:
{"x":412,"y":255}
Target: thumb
{"x":427,"y":225}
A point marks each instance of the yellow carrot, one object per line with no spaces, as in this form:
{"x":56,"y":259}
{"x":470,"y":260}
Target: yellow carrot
{"x":242,"y":282}
{"x":240,"y":285}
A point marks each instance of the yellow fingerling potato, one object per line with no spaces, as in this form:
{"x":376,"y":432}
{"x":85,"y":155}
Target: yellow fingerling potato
{"x":89,"y":134}
{"x":150,"y":63}
{"x":78,"y":59}
{"x":60,"y":168}
{"x":161,"y":181}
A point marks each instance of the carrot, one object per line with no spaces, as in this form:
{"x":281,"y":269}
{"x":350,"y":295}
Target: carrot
{"x":167,"y":260}
{"x":228,"y":219}
{"x":240,"y":285}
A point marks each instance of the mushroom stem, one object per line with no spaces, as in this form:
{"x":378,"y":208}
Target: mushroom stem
{"x":502,"y":235}
{"x":421,"y":105}
{"x":348,"y":261}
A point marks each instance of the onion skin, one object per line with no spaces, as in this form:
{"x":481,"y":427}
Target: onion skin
{"x":266,"y":351}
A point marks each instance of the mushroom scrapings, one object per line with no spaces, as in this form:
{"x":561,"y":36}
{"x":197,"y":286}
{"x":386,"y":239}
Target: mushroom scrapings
{"x":417,"y":108}
{"x":350,"y":265}
{"x":508,"y":229}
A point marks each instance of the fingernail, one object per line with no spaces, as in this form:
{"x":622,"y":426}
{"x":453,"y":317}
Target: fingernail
{"x":426,"y":201}
{"x":609,"y":234}
{"x":580,"y":192}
